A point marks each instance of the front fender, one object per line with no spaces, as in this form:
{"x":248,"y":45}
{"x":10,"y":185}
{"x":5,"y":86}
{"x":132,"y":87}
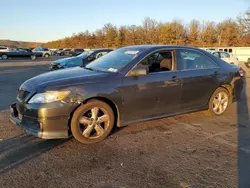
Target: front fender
{"x":108,"y":91}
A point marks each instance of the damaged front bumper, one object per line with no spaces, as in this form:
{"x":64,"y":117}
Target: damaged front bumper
{"x":47,"y":121}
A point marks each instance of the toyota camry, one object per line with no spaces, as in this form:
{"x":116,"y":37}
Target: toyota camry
{"x":128,"y":85}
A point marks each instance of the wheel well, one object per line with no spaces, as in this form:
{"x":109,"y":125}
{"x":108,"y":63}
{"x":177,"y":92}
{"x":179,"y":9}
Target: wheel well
{"x":109,"y":102}
{"x":229,"y":89}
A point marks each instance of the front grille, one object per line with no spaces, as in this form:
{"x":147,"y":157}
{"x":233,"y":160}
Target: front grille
{"x":22,"y":94}
{"x":54,"y":65}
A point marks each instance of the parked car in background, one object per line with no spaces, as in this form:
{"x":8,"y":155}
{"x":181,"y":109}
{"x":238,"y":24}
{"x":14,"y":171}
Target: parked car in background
{"x":226,"y":57}
{"x":4,"y":49}
{"x":128,"y":85}
{"x":81,"y":60}
{"x":76,"y":52}
{"x":42,"y":52}
{"x":65,"y":52}
{"x":58,"y":51}
{"x":18,"y":53}
{"x":53,"y":51}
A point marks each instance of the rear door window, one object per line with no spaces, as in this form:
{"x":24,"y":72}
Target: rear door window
{"x":190,"y":60}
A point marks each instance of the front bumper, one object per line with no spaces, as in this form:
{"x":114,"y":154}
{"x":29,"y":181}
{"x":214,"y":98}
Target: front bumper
{"x":53,"y":67}
{"x":47,"y":121}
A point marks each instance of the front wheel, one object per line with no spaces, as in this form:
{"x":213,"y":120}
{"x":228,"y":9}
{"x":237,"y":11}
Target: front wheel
{"x":92,"y":122}
{"x":219,"y":101}
{"x":4,"y":57}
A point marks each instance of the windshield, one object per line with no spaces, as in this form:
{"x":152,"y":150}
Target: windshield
{"x":114,"y":61}
{"x":86,"y":54}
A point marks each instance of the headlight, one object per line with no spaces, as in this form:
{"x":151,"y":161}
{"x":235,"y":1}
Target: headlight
{"x":49,"y":96}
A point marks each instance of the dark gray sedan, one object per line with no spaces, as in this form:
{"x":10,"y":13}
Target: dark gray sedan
{"x":18,"y":53}
{"x":125,"y":86}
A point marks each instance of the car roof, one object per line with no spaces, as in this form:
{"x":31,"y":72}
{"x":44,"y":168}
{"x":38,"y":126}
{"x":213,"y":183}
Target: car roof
{"x":155,"y":47}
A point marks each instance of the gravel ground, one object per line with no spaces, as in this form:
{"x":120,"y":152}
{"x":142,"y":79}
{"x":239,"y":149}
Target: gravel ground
{"x":193,"y":150}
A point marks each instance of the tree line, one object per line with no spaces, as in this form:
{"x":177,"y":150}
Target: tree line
{"x":230,"y":32}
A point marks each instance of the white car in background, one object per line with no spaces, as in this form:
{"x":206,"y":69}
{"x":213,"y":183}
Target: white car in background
{"x":4,"y":49}
{"x":226,"y":57}
{"x":42,"y":52}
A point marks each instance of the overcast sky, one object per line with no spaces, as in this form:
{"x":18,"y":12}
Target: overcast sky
{"x":41,"y":21}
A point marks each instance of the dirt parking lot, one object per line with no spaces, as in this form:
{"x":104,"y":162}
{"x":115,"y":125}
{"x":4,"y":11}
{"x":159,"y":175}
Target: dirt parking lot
{"x":193,"y":150}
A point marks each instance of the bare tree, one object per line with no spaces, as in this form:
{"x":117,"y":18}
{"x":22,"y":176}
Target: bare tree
{"x":226,"y":33}
{"x":193,"y":32}
{"x":244,"y":21}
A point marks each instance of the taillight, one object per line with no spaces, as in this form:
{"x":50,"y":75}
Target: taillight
{"x":241,"y":72}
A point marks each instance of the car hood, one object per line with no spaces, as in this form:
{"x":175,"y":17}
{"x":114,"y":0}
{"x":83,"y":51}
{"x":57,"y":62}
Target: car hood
{"x":63,"y":78}
{"x":68,"y":59}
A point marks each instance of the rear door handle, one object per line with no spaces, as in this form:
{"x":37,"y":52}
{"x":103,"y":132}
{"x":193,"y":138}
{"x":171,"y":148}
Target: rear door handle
{"x":216,"y":73}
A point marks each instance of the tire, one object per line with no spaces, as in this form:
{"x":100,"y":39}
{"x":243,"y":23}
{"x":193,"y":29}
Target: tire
{"x":4,"y":57}
{"x":32,"y":57}
{"x":218,"y":106}
{"x":46,"y":55}
{"x":84,"y":124}
{"x":248,"y":60}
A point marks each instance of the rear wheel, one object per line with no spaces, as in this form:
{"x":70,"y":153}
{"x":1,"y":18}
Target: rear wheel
{"x":4,"y":57}
{"x":92,"y":122}
{"x":46,"y":55}
{"x":219,"y":101}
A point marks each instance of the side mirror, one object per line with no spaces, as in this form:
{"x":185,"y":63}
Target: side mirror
{"x":137,"y":71}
